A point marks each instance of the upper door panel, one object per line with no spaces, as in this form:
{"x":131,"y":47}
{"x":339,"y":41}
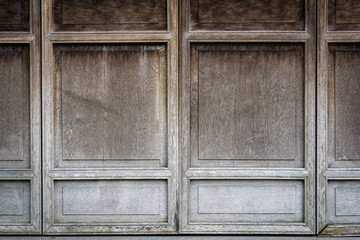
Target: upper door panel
{"x":234,"y":15}
{"x":110,"y":15}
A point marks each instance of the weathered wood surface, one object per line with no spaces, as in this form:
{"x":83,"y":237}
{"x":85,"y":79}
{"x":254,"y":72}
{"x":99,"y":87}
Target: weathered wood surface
{"x":338,"y":118}
{"x":20,"y":117}
{"x":247,"y":105}
{"x":111,"y":104}
{"x":14,"y":107}
{"x":14,"y":15}
{"x":247,"y":15}
{"x":344,"y":15}
{"x":123,"y":97}
{"x":110,"y":15}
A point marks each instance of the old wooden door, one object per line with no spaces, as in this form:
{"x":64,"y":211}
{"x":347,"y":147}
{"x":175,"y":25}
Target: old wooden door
{"x":20,"y":117}
{"x":339,"y":117}
{"x":116,"y":140}
{"x":248,"y":116}
{"x":109,"y":116}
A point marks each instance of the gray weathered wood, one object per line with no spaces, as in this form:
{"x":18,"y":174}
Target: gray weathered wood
{"x":338,"y":116}
{"x":21,"y":117}
{"x":124,"y":99}
{"x":214,"y":75}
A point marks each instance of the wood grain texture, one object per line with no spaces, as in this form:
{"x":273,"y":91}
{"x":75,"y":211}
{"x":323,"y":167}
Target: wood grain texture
{"x":343,"y":202}
{"x":14,"y":15}
{"x":110,"y":15}
{"x":14,"y":107}
{"x":239,"y":201}
{"x":244,"y":108}
{"x":129,"y":201}
{"x":343,"y":15}
{"x":344,"y":105}
{"x":112,"y":103}
{"x":247,"y":15}
{"x":15,"y":199}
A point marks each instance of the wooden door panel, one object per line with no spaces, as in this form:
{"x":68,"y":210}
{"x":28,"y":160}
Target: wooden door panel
{"x":344,"y":105}
{"x":14,"y":15}
{"x":252,"y":201}
{"x":120,"y":116}
{"x":125,"y":201}
{"x":110,"y":116}
{"x":15,"y":202}
{"x":343,"y":202}
{"x":338,"y":118}
{"x":20,"y":118}
{"x":230,"y":15}
{"x":110,"y":15}
{"x":15,"y":106}
{"x":247,"y":105}
{"x":343,"y":15}
{"x":248,"y":117}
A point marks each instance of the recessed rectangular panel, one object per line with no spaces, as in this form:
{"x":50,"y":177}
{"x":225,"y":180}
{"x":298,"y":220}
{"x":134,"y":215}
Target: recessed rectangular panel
{"x":112,"y":109}
{"x":14,"y":202}
{"x":344,"y":105}
{"x":14,"y":107}
{"x":246,"y":201}
{"x":247,"y":15}
{"x":247,"y":104}
{"x":14,"y":15}
{"x":107,"y":15}
{"x":347,"y":104}
{"x":111,"y":201}
{"x":344,"y":15}
{"x":344,"y":201}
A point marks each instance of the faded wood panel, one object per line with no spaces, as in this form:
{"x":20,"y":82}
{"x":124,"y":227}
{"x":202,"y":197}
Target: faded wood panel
{"x":247,"y":15}
{"x":14,"y":15}
{"x":343,"y":15}
{"x":246,"y":201}
{"x":344,"y":105}
{"x":247,"y":104}
{"x":14,"y":107}
{"x":110,"y":15}
{"x":130,"y":201}
{"x":343,"y":202}
{"x":112,"y":101}
{"x":15,"y":202}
